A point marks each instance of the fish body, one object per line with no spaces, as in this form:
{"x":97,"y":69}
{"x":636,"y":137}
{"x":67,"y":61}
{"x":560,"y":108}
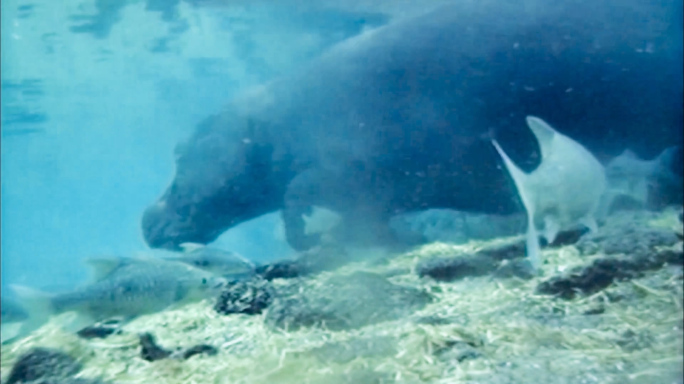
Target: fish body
{"x":217,"y":261}
{"x":643,"y":181}
{"x":563,"y":191}
{"x":123,"y":288}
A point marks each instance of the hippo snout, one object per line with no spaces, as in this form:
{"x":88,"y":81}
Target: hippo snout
{"x":164,"y":227}
{"x":156,"y":227}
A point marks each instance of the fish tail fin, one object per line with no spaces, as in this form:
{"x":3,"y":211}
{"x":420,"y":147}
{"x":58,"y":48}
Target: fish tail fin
{"x":9,"y":331}
{"x":532,"y":247}
{"x":667,"y":156}
{"x":37,"y":304}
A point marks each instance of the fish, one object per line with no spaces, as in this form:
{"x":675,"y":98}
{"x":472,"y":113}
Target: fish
{"x":13,"y":314}
{"x":123,"y":288}
{"x":563,"y":191}
{"x":217,"y":261}
{"x":640,"y":180}
{"x":11,"y":310}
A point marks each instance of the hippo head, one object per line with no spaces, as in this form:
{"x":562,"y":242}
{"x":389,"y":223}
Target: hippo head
{"x":226,"y":173}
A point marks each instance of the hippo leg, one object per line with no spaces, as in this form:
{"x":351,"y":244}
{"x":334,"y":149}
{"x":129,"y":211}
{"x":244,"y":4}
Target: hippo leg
{"x":366,"y":218}
{"x":302,"y":194}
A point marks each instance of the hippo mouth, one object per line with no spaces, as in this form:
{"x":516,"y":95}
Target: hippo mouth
{"x":166,"y":229}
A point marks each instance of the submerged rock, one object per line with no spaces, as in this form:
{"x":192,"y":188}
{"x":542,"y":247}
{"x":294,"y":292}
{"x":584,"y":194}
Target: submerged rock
{"x":346,"y":302}
{"x":284,"y":269}
{"x":455,"y":268}
{"x":632,"y":238}
{"x":151,"y":351}
{"x":631,"y":248}
{"x":198,"y":350}
{"x":602,"y":272}
{"x":248,"y":297}
{"x":43,"y":363}
{"x":502,"y":260}
{"x":326,"y":257}
{"x":457,"y":350}
{"x":101,"y":330}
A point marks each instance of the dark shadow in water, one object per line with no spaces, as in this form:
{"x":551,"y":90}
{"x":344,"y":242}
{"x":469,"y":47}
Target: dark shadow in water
{"x":100,"y":24}
{"x":21,"y":110}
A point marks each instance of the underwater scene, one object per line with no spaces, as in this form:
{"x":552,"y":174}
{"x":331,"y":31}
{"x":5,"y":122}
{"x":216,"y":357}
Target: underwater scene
{"x":342,"y":192}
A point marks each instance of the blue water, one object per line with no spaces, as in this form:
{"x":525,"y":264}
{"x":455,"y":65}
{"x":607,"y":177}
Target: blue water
{"x":96,"y":94}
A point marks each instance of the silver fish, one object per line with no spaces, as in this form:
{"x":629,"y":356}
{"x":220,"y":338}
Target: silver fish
{"x":214,"y":260}
{"x":124,"y":288}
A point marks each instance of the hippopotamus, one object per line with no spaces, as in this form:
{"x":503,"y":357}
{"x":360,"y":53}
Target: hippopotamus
{"x":399,"y":118}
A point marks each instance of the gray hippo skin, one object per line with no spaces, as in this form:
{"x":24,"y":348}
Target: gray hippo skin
{"x":398,"y":118}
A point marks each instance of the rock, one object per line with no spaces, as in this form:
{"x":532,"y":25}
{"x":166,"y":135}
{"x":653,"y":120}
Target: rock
{"x":150,"y":351}
{"x":345,"y":302}
{"x":520,"y":268}
{"x":602,"y":272}
{"x":248,"y":297}
{"x":199,"y":349}
{"x":507,"y":251}
{"x":327,"y":256}
{"x":284,"y":269}
{"x":631,"y":246}
{"x":568,"y":237}
{"x":631,"y":340}
{"x":455,"y":268}
{"x":100,"y":330}
{"x":503,"y":260}
{"x":457,"y":350}
{"x":43,"y":363}
{"x":632,"y":237}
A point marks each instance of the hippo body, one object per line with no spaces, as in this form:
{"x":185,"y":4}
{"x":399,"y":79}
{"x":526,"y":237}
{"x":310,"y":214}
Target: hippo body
{"x":399,"y":118}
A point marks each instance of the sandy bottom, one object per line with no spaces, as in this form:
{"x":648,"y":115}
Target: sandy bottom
{"x":478,"y":330}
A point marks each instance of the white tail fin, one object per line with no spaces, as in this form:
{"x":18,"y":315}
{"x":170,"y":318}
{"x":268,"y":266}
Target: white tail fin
{"x":37,"y":304}
{"x":532,"y":242}
{"x":519,"y":177}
